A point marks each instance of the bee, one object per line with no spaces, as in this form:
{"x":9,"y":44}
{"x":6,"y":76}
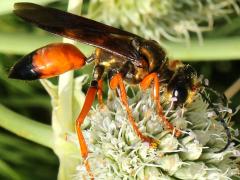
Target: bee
{"x":122,"y":56}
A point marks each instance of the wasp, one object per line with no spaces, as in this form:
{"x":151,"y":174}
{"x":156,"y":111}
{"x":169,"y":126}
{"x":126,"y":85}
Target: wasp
{"x":122,"y":56}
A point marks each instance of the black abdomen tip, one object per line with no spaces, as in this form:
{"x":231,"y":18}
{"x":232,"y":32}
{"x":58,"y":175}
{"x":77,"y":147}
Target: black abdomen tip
{"x":24,"y":69}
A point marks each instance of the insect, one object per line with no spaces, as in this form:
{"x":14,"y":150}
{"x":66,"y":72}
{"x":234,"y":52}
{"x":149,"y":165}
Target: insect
{"x":123,"y":56}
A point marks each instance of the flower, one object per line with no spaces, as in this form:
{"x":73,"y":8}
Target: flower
{"x":162,"y":19}
{"x":117,"y":153}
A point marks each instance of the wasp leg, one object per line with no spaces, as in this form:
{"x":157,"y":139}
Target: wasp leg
{"x":90,"y":96}
{"x":97,"y":74}
{"x":146,"y":82}
{"x":117,"y":82}
{"x":92,"y":90}
{"x":100,"y":93}
{"x":220,"y":118}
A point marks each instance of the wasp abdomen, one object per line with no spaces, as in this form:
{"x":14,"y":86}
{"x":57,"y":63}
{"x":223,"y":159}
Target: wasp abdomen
{"x":48,"y":61}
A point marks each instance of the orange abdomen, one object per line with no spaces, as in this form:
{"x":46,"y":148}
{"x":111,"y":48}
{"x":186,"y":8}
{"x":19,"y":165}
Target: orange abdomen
{"x":48,"y":61}
{"x":56,"y":59}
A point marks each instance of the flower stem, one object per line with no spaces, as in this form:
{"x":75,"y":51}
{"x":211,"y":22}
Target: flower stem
{"x":212,"y":49}
{"x":62,"y":118}
{"x":25,"y":127}
{"x":225,"y":48}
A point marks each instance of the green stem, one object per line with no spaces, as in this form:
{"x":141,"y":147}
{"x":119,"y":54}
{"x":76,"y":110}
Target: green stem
{"x":32,"y":42}
{"x":62,"y":118}
{"x":25,"y":127}
{"x":34,"y":101}
{"x":212,"y":49}
{"x":65,"y":85}
{"x":225,"y":30}
{"x":65,"y":97}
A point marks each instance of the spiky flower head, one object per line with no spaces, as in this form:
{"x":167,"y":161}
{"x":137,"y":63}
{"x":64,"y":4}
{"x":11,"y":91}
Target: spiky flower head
{"x":117,"y":153}
{"x":156,"y":19}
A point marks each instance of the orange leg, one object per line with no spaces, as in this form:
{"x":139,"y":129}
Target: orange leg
{"x":100,"y":93}
{"x":117,"y":82}
{"x":146,"y":82}
{"x":86,"y":108}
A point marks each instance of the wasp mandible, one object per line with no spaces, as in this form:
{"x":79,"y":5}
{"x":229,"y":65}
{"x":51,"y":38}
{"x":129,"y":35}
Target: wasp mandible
{"x":122,"y":56}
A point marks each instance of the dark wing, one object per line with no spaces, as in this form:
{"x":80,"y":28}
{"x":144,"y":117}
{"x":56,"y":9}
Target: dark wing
{"x":79,"y":28}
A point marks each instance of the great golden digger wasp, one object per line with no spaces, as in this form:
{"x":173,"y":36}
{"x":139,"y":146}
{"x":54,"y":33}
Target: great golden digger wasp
{"x":123,"y":56}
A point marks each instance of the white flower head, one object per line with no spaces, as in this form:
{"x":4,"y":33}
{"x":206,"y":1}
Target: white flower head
{"x":163,"y":19}
{"x":117,"y":153}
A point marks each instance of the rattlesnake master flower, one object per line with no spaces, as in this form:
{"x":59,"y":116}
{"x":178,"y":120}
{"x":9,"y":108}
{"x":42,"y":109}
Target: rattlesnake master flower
{"x":154,"y":19}
{"x":117,"y":153}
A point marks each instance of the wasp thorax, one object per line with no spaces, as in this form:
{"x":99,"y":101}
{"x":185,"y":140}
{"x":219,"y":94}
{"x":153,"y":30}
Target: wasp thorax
{"x":153,"y":53}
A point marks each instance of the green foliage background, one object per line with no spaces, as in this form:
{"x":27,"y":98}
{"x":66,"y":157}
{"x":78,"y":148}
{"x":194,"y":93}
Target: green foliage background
{"x":218,"y":59}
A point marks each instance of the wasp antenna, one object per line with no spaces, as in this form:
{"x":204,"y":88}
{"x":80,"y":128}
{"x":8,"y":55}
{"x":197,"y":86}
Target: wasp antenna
{"x":229,"y":138}
{"x":220,"y":95}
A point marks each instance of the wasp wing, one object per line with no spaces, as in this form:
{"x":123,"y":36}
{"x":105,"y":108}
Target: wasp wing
{"x":75,"y":27}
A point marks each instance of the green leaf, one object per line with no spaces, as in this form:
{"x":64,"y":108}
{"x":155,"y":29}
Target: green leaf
{"x":8,"y":172}
{"x":25,"y":127}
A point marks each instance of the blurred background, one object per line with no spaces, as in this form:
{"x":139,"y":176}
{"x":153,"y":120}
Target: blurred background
{"x":179,"y":25}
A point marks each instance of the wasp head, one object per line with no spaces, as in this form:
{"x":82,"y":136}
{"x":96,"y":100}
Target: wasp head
{"x":182,"y":85}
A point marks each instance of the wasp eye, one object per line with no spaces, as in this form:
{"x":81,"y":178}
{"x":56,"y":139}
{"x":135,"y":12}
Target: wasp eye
{"x":175,"y":93}
{"x":181,"y":94}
